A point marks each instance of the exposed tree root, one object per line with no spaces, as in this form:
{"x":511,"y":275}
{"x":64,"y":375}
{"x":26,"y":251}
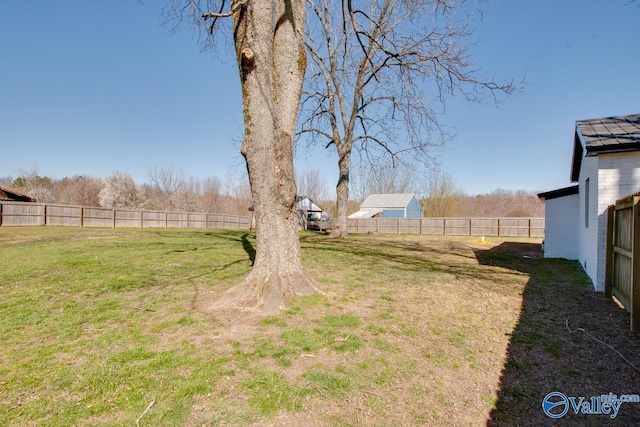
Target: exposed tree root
{"x":266,"y":291}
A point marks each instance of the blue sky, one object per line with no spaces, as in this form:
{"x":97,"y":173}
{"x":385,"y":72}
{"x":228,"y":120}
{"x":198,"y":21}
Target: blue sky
{"x":90,"y":87}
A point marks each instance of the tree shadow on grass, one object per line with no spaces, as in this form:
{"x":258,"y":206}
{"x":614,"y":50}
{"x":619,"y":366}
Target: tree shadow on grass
{"x":248,"y":247}
{"x":568,"y":339}
{"x":407,"y":255}
{"x":245,"y":238}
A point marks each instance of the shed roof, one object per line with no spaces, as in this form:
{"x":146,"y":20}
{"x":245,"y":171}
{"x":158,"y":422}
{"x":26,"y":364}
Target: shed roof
{"x":604,"y":135}
{"x":387,"y":201}
{"x":367,"y":213}
{"x":306,"y":204}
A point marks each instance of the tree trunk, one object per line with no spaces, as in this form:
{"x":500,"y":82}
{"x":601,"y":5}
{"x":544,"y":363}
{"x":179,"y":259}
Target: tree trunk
{"x":342,"y":190}
{"x":271,"y":58}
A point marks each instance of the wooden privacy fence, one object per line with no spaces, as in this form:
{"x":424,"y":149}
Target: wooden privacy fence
{"x":24,"y":214}
{"x":513,"y":227}
{"x":622,"y":265}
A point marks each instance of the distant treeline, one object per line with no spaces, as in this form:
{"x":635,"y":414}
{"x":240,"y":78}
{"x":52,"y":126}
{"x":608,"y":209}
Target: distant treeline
{"x":168,"y":189}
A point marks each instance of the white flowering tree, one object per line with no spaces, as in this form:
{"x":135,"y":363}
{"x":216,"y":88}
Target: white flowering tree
{"x":120,"y":191}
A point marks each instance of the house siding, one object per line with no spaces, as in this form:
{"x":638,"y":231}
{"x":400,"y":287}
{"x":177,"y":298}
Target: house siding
{"x":611,"y":177}
{"x":561,"y":228}
{"x":588,"y":235}
{"x":393,"y":213}
{"x":414,"y":210}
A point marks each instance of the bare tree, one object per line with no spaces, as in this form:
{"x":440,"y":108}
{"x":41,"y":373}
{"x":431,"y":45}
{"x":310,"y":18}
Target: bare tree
{"x":501,"y":203}
{"x":386,"y":178}
{"x":379,"y":74}
{"x":34,"y":185}
{"x":79,"y":190}
{"x":269,"y":45}
{"x":237,"y":194}
{"x":442,"y":195}
{"x":6,"y":181}
{"x":165,"y":181}
{"x":311,"y":184}
{"x":211,"y":198}
{"x":187,"y":196}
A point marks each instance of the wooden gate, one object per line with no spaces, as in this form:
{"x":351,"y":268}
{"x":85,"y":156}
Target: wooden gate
{"x":622,"y":271}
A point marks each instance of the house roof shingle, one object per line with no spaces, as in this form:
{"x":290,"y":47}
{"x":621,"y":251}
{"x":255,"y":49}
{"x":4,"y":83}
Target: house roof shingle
{"x":610,"y":133}
{"x":604,"y":135}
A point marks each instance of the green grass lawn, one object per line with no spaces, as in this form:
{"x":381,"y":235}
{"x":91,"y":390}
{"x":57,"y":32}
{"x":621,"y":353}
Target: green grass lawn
{"x":107,"y":327}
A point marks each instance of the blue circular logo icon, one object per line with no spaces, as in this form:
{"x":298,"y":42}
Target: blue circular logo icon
{"x":555,"y":404}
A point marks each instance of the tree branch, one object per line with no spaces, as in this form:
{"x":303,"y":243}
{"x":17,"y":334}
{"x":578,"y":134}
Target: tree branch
{"x":220,"y":14}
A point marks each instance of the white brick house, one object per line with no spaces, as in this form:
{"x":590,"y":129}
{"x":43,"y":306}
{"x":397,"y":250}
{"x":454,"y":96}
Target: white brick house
{"x":606,"y":167}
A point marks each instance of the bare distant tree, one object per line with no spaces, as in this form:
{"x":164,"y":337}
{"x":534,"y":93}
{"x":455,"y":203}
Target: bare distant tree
{"x":6,"y":181}
{"x":380,"y":71}
{"x":311,"y":184}
{"x":237,"y":194}
{"x":120,"y":191}
{"x":503,"y":203}
{"x":32,"y":184}
{"x":165,"y":181}
{"x":384,"y":178}
{"x":269,"y":45}
{"x":79,"y":190}
{"x":443,"y":198}
{"x":211,"y":198}
{"x":187,"y":196}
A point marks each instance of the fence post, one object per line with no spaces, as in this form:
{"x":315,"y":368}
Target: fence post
{"x":397,"y":225}
{"x":529,"y":227}
{"x":470,"y":227}
{"x":0,"y":214}
{"x":499,"y":225}
{"x":141,"y":219}
{"x":114,"y":218}
{"x":608,"y":260}
{"x":635,"y":271}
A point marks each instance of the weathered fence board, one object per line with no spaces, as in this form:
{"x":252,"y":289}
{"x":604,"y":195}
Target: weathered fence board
{"x":26,"y":214}
{"x":22,"y":214}
{"x":512,"y":227}
{"x":622,"y":265}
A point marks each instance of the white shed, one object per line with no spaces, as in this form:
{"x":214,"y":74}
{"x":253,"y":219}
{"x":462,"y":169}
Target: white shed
{"x":401,"y":205}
